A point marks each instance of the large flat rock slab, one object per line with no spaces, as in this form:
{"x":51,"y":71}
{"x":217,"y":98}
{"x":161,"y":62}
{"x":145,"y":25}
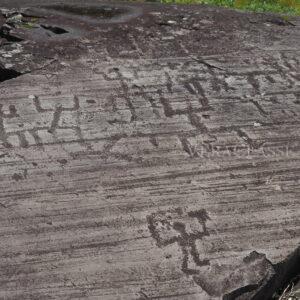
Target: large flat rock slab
{"x":147,"y":152}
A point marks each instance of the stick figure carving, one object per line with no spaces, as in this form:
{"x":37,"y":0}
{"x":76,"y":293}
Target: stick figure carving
{"x":183,"y":228}
{"x":26,"y":137}
{"x":12,"y":113}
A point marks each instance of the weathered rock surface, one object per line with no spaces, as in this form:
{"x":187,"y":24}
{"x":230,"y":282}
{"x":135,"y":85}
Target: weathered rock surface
{"x":147,"y":151}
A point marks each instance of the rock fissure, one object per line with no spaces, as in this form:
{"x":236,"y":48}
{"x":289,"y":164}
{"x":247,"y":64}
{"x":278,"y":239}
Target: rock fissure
{"x":54,"y":29}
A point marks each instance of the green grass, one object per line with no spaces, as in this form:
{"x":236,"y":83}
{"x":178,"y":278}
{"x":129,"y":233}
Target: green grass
{"x":278,"y":6}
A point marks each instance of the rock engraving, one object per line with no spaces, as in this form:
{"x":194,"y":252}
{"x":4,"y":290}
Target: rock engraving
{"x":183,"y":228}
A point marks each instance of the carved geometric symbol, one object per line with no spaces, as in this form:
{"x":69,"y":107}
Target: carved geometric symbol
{"x":183,"y":228}
{"x":33,"y":136}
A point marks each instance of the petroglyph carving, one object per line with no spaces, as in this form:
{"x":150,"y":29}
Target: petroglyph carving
{"x":183,"y":228}
{"x":6,"y":115}
{"x":171,"y":95}
{"x":40,"y":135}
{"x":186,"y":228}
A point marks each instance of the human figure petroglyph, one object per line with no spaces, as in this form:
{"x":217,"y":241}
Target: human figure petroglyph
{"x":163,"y":91}
{"x":179,"y":226}
{"x":36,"y":135}
{"x":6,"y":115}
{"x":183,"y":228}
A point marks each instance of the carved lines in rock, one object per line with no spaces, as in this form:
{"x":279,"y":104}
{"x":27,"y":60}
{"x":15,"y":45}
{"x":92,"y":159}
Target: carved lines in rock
{"x":183,"y":228}
{"x":34,"y":136}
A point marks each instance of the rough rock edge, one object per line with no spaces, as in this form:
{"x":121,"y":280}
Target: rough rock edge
{"x":285,"y":272}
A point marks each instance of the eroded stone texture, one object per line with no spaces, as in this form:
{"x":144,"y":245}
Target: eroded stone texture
{"x":153,"y":157}
{"x":248,"y":273}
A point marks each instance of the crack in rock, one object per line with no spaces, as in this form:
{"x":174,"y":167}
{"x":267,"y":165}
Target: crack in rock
{"x":54,"y":29}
